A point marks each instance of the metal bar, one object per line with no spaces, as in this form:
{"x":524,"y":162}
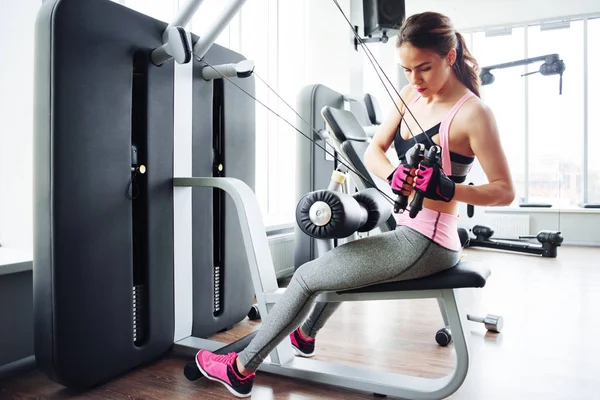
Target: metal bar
{"x":204,"y":43}
{"x":184,"y":16}
{"x":518,"y":63}
{"x":274,"y":296}
{"x":368,"y":296}
{"x":442,"y":306}
{"x":254,"y":235}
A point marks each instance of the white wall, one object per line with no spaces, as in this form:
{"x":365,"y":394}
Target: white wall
{"x":16,"y":124}
{"x":468,"y":14}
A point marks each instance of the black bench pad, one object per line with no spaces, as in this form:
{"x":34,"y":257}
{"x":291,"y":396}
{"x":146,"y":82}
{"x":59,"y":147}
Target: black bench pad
{"x":463,"y":275}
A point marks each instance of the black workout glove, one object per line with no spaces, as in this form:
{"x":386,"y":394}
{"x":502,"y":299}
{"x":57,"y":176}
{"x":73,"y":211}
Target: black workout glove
{"x":434,"y":183}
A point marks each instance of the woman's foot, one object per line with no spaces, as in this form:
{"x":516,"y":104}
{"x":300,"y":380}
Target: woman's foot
{"x":302,"y":344}
{"x":223,"y":369}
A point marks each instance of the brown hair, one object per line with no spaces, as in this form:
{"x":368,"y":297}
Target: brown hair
{"x":434,"y":31}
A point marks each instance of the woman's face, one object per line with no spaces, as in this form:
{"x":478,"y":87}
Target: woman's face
{"x":425,"y":70}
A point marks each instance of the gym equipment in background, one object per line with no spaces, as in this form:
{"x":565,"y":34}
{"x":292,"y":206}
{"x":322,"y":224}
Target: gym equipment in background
{"x":107,"y":277}
{"x":311,"y":99}
{"x":547,"y":246}
{"x":382,"y":20}
{"x":552,"y":65}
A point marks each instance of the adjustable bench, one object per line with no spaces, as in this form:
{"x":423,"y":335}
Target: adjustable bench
{"x":281,"y":361}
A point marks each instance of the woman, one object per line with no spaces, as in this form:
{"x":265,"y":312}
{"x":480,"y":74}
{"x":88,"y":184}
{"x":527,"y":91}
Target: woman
{"x":443,"y":96}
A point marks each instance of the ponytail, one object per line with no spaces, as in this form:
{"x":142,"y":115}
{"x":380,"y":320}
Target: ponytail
{"x":466,"y":67}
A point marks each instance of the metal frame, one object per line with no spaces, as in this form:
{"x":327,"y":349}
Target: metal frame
{"x":282,"y":360}
{"x":186,"y":13}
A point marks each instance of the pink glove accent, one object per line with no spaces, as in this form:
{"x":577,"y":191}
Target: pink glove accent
{"x":423,"y":178}
{"x":399,"y":179}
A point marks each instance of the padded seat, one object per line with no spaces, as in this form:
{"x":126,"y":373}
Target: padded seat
{"x":463,"y":275}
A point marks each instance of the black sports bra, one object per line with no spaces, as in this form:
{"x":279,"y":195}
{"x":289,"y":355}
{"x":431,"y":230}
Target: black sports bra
{"x":461,"y":165}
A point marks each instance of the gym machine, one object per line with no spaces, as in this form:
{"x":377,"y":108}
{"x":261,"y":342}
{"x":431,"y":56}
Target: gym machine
{"x":547,"y":246}
{"x":552,"y":65}
{"x":311,"y":100}
{"x":327,"y":215}
{"x":125,"y":264}
{"x":116,"y":259}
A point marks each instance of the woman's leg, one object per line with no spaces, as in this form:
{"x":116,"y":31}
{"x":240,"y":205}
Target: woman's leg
{"x":389,"y":256}
{"x":303,"y":338}
{"x":316,"y":320}
{"x":401,"y":254}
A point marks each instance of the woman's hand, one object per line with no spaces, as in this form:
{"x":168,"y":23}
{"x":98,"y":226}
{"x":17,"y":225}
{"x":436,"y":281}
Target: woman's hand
{"x":433,"y":182}
{"x":402,"y":180}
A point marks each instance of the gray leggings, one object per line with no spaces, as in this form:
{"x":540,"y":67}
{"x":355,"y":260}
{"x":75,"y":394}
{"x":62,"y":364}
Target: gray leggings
{"x":391,"y":256}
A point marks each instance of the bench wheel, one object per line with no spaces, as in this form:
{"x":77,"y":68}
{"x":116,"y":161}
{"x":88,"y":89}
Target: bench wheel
{"x":254,"y":314}
{"x":443,"y":337}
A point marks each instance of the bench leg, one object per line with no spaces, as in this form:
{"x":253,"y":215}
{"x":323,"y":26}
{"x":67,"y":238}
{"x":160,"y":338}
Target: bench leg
{"x":443,"y":311}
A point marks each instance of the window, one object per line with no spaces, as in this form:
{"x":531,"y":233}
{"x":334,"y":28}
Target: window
{"x":506,"y":96}
{"x":273,"y":34}
{"x":374,"y":80}
{"x":543,"y":131}
{"x":204,"y":17}
{"x":256,"y":45}
{"x":593,"y":90}
{"x":556,"y":121}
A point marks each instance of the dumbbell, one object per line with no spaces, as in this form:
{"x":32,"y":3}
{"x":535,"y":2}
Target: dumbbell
{"x":482,"y":232}
{"x":493,"y":323}
{"x":553,"y":237}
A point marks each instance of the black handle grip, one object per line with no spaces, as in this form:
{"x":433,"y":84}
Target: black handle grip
{"x":414,"y":156}
{"x":432,"y":157}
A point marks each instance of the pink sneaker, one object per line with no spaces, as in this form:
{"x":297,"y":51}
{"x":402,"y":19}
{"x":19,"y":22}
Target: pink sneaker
{"x":220,"y":368}
{"x":302,"y":347}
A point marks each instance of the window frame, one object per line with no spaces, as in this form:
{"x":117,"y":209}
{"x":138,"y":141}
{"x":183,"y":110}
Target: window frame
{"x":530,"y":24}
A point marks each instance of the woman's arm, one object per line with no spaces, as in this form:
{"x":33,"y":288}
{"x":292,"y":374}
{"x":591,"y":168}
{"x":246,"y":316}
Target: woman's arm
{"x":485,"y":142}
{"x":376,"y":160}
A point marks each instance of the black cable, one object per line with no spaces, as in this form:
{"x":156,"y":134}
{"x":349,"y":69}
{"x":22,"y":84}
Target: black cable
{"x":375,"y":65}
{"x":345,"y":162}
{"x":372,"y":59}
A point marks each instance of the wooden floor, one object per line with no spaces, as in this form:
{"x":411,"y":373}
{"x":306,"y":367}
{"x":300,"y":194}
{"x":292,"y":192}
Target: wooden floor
{"x":549,"y":348}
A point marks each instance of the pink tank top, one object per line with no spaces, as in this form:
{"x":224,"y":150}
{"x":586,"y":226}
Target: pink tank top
{"x":442,"y":228}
